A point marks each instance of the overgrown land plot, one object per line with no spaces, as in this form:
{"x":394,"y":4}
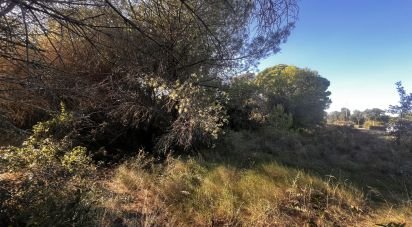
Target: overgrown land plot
{"x":151,"y":113}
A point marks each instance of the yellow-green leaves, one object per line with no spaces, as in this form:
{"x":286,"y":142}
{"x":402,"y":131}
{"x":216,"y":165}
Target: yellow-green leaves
{"x":42,"y":150}
{"x":302,"y":92}
{"x":76,"y":159}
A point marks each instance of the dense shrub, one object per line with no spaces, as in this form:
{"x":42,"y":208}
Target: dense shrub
{"x":46,"y":181}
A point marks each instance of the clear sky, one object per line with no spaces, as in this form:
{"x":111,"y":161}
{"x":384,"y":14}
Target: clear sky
{"x":362,"y":46}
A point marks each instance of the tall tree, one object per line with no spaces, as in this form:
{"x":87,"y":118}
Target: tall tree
{"x":154,"y":65}
{"x":302,"y":92}
{"x":357,"y":116}
{"x":403,"y":122}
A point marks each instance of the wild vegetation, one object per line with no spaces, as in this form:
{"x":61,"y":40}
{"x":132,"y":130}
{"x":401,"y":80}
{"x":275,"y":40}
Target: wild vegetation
{"x":365,"y":119}
{"x":149,"y":113}
{"x":398,"y":124}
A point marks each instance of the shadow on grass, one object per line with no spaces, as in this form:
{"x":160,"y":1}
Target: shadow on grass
{"x":368,"y":160}
{"x":262,"y":177}
{"x":330,"y":176}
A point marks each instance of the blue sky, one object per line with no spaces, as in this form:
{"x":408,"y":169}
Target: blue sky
{"x":362,"y":46}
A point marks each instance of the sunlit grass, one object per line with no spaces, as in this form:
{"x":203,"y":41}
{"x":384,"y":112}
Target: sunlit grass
{"x":193,"y":192}
{"x":255,"y":181}
{"x":251,"y":180}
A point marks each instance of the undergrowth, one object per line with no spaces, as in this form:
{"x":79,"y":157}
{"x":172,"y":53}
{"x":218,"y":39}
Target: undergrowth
{"x":200,"y":192}
{"x":321,"y":177}
{"x":46,"y":181}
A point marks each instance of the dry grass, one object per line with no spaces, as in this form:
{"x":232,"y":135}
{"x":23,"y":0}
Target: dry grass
{"x":336,"y":178}
{"x":193,"y":193}
{"x":243,"y":183}
{"x":388,"y":214}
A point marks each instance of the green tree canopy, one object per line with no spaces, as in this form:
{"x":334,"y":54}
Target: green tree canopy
{"x":302,"y":92}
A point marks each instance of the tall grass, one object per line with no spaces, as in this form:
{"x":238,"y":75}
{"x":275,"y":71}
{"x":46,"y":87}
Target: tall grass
{"x":332,"y":177}
{"x":193,"y":192}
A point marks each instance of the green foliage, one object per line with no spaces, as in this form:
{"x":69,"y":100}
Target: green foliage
{"x":56,"y":128}
{"x":403,"y":122}
{"x":47,"y":146}
{"x":49,"y":203}
{"x":76,"y":160}
{"x":245,"y":107}
{"x":265,"y":176}
{"x":151,"y":73}
{"x":302,"y":92}
{"x":375,"y":114}
{"x":279,"y":119}
{"x":51,"y":180}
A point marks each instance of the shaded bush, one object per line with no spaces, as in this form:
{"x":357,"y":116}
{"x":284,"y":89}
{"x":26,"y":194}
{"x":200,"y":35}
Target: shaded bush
{"x":46,"y":181}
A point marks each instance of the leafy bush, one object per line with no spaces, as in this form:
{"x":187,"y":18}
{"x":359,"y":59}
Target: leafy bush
{"x":249,"y":109}
{"x":50,"y":179}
